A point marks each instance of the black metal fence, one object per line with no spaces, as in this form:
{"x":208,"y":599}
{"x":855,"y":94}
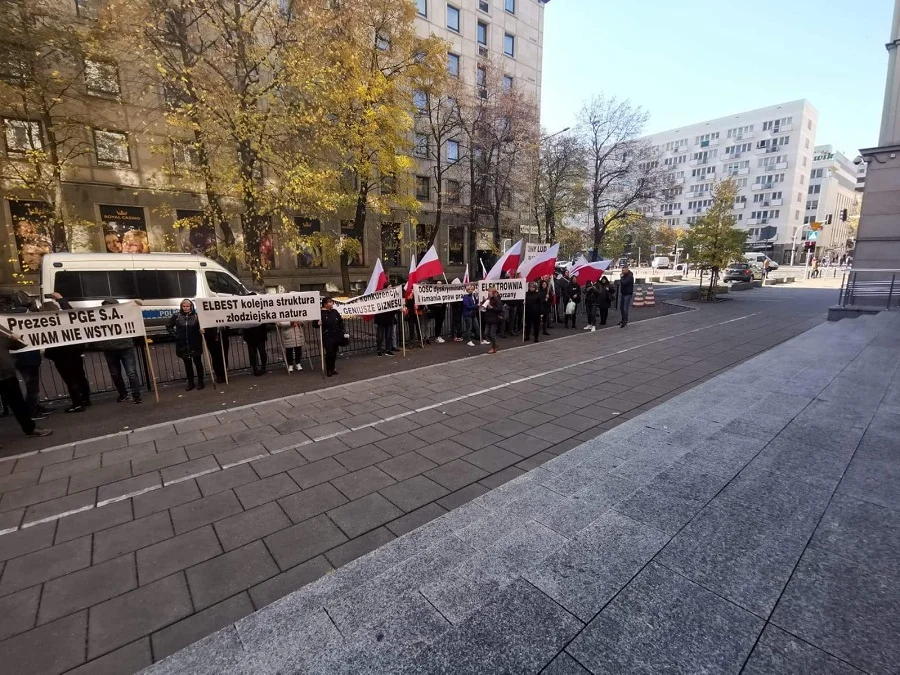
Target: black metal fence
{"x":168,"y":367}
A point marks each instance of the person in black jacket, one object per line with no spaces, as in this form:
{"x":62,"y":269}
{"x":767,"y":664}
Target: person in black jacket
{"x":217,"y":342}
{"x":605,"y":298}
{"x":626,"y":294}
{"x":69,"y":361}
{"x":185,"y":326}
{"x":438,"y":312}
{"x":255,"y":337}
{"x":120,"y":355}
{"x":546,"y":298}
{"x":332,"y":334}
{"x":493,"y":315}
{"x":384,"y":333}
{"x":575,"y":297}
{"x":533,"y":303}
{"x":9,"y":386}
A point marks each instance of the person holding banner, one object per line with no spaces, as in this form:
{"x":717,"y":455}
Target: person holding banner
{"x":69,"y":362}
{"x":218,"y":346}
{"x":185,"y":326}
{"x":120,"y":355}
{"x":493,"y":315}
{"x":333,"y":335}
{"x":546,"y":294}
{"x":384,"y":333}
{"x":9,"y":387}
{"x":533,"y":307}
{"x":470,"y":315}
{"x":438,"y":313}
{"x":255,"y":337}
{"x":293,"y":341}
{"x":411,"y":311}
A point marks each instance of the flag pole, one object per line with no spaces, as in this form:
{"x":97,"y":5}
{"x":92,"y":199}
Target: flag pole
{"x":208,"y":360}
{"x":322,"y":350}
{"x":152,"y":373}
{"x":402,"y":333}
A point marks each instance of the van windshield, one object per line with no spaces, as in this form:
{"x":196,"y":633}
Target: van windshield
{"x":219,"y":282}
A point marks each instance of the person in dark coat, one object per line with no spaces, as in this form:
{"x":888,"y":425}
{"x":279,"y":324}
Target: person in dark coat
{"x":546,"y":300}
{"x":563,"y":285}
{"x":333,"y":335}
{"x":217,"y":342}
{"x":626,"y":294}
{"x":605,"y":298}
{"x":29,"y":366}
{"x":411,"y":312}
{"x":255,"y":337}
{"x":591,"y":303}
{"x":384,"y":333}
{"x":120,"y":355}
{"x":493,"y":315}
{"x":574,"y":297}
{"x":533,"y":305}
{"x":185,"y":326}
{"x":470,"y":315}
{"x":438,"y":312}
{"x":69,"y":362}
{"x":9,"y":386}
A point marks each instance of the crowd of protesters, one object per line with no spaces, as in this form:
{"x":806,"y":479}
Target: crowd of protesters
{"x":549,"y":302}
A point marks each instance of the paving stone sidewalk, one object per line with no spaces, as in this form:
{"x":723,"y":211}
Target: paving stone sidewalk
{"x":721,"y":532}
{"x":119,"y":551}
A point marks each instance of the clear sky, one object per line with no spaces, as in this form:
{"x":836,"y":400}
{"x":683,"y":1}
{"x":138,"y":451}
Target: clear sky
{"x":687,"y":61}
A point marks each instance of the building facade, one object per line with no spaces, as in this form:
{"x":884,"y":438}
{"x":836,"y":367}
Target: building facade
{"x":769,"y":152}
{"x":832,"y":200}
{"x":124,"y":181}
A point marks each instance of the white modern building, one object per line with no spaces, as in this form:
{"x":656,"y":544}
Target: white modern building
{"x":769,"y":152}
{"x":832,"y":199}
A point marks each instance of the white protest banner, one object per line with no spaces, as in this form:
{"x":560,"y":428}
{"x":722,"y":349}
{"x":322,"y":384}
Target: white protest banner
{"x":510,"y":289}
{"x":436,"y":294}
{"x":75,"y":326}
{"x":534,"y":250}
{"x":387,"y":300}
{"x":249,"y":310}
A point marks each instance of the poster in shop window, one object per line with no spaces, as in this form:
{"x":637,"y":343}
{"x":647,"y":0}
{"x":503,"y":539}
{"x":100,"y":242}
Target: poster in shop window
{"x":124,"y":229}
{"x":32,"y":231}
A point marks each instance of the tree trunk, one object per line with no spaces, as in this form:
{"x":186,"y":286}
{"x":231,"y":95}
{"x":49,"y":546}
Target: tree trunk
{"x":551,"y":226}
{"x":359,"y":225}
{"x":599,"y":231}
{"x":473,"y":224}
{"x":59,"y":239}
{"x":345,"y":273}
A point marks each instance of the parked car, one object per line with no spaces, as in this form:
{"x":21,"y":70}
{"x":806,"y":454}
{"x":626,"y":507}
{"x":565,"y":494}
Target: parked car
{"x":742,"y":271}
{"x":660,"y":263}
{"x":760,"y":259}
{"x":622,"y":262}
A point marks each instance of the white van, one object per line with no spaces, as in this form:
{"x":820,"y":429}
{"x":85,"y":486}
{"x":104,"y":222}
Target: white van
{"x":760,"y":259}
{"x":159,"y":280}
{"x":660,"y":263}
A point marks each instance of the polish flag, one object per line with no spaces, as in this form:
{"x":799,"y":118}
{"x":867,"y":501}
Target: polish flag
{"x":540,"y":266}
{"x":411,"y":279}
{"x":429,"y":266}
{"x":378,"y":280}
{"x":591,"y":271}
{"x":483,"y":270}
{"x":581,"y":262}
{"x":466,"y":277}
{"x":508,"y":262}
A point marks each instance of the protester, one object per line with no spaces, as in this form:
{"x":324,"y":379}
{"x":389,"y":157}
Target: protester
{"x":591,"y":303}
{"x":185,"y":326}
{"x":533,"y":308}
{"x":255,"y":337}
{"x":438,"y":313}
{"x":493,"y":313}
{"x":333,"y":335}
{"x":546,"y":304}
{"x":573,"y":302}
{"x":563,"y":287}
{"x":293,"y":340}
{"x":29,"y":366}
{"x":411,"y":312}
{"x":384,"y":333}
{"x":470,"y":315}
{"x":69,"y":362}
{"x":605,"y":300}
{"x":120,"y":355}
{"x":217,"y":342}
{"x":626,"y":294}
{"x":9,"y":386}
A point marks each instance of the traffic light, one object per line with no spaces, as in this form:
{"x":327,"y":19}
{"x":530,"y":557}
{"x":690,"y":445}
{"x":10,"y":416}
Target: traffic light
{"x":809,"y":245}
{"x":843,"y":215}
{"x":674,"y":250}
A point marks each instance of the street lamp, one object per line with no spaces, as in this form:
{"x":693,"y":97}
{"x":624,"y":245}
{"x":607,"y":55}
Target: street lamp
{"x":557,"y":133}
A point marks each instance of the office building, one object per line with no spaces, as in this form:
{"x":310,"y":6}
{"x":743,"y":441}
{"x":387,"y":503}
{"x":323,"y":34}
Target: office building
{"x":832,"y":200}
{"x":769,"y":152}
{"x":124,"y":176}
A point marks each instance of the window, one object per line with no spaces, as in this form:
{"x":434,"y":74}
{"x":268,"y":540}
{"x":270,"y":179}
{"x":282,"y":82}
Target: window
{"x":86,"y":9}
{"x":799,"y":197}
{"x":807,"y":144}
{"x":817,"y":173}
{"x":733,"y":168}
{"x":102,"y":78}
{"x":421,"y":148}
{"x":111,"y":148}
{"x":509,"y":45}
{"x":484,"y":6}
{"x":421,"y":100}
{"x":507,"y":83}
{"x":423,"y":187}
{"x":126,"y":284}
{"x":704,"y":140}
{"x":796,"y":215}
{"x":738,"y":149}
{"x":738,"y":132}
{"x":814,"y":189}
{"x":453,"y":18}
{"x":774,"y":125}
{"x":382,"y":42}
{"x":422,"y":7}
{"x":13,"y":68}
{"x":510,"y":6}
{"x":388,"y":184}
{"x":184,"y":155}
{"x":22,"y":136}
{"x":452,"y":151}
{"x":740,"y":182}
{"x":219,"y":282}
{"x":453,"y":64}
{"x":453,"y":192}
{"x":482,"y":33}
{"x":480,"y":77}
{"x":812,"y":204}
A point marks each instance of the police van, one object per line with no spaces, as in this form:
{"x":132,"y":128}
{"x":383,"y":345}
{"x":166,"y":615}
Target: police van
{"x":159,"y":280}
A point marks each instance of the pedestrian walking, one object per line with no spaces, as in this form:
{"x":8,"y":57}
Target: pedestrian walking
{"x":255,"y":337}
{"x":69,"y":362}
{"x":293,"y":340}
{"x":333,"y":335}
{"x":626,"y":294}
{"x":185,"y":327}
{"x":767,"y":264}
{"x":815,"y":268}
{"x":533,"y":308}
{"x":120,"y":355}
{"x":493,"y":315}
{"x":470,"y":315}
{"x":9,"y":386}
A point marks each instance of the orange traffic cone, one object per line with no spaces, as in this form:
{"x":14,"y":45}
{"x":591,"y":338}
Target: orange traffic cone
{"x":649,"y":300}
{"x":638,"y":297}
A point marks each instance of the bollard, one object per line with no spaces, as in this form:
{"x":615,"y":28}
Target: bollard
{"x":649,"y":300}
{"x":638,"y":300}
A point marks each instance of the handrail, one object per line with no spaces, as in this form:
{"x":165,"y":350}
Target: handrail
{"x":868,"y":290}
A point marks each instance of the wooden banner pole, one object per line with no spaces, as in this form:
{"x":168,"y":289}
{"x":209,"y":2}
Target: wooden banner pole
{"x":212,"y":373}
{"x":224,"y":360}
{"x":322,"y":350}
{"x":152,"y":372}
{"x":421,"y":335}
{"x":402,"y":333}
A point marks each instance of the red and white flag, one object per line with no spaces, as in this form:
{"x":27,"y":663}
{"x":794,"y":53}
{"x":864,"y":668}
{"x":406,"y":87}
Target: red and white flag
{"x":411,"y":279}
{"x":466,"y":277}
{"x":429,"y":266}
{"x":591,"y":271}
{"x":508,"y":262}
{"x":483,"y":269}
{"x":541,"y":265}
{"x":581,"y":262}
{"x":378,"y":280}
